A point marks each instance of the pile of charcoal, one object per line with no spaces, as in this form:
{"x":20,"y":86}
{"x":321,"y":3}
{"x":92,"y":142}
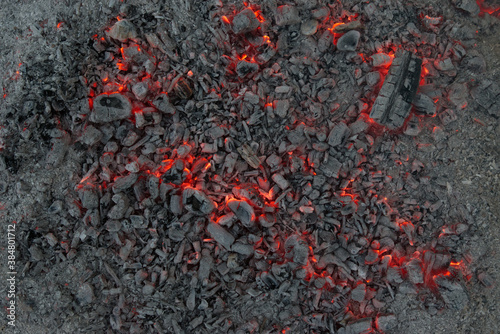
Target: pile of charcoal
{"x":243,"y":166}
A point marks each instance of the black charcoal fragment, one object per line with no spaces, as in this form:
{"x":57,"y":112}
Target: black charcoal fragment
{"x":392,"y":106}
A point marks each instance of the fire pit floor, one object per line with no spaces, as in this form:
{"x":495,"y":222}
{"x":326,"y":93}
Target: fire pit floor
{"x":250,"y":167}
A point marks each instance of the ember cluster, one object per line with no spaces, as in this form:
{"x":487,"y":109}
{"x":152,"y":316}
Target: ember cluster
{"x":256,"y":160}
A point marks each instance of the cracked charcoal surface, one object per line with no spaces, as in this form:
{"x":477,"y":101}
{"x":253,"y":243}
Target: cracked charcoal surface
{"x":206,"y":167}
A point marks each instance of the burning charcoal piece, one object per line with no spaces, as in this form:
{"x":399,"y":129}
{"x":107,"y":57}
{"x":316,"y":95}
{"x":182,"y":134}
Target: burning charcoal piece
{"x":386,"y":322}
{"x":163,"y":104}
{"x":280,"y":181}
{"x":122,"y":30}
{"x":197,"y":202}
{"x":242,"y":249}
{"x":267,"y":280}
{"x":320,"y":13}
{"x":59,"y":148}
{"x":486,"y":279}
{"x":415,"y":272}
{"x":176,"y":205}
{"x":243,"y":68}
{"x":124,"y":182}
{"x":281,"y":107}
{"x":360,"y":125}
{"x":487,"y":95}
{"x":444,"y":65}
{"x":359,"y":326}
{"x":470,"y":6}
{"x":297,"y":249}
{"x":381,"y":60}
{"x":393,"y":103}
{"x":91,"y":135}
{"x":358,"y":293}
{"x":220,"y":235}
{"x":120,"y":208}
{"x":286,"y":15}
{"x":309,"y":27}
{"x":248,"y":155}
{"x":424,"y":105}
{"x":452,"y":292}
{"x":109,"y":108}
{"x":325,"y":41}
{"x":338,"y":135}
{"x":331,"y":168}
{"x":394,"y":275}
{"x":373,"y":78}
{"x":89,"y":198}
{"x":182,"y":89}
{"x":413,"y":127}
{"x":349,"y":41}
{"x":243,"y":210}
{"x":341,"y":28}
{"x":140,"y":90}
{"x":458,"y":94}
{"x":130,"y":139}
{"x":245,"y":21}
{"x":371,"y":257}
{"x":267,"y":220}
{"x":250,"y":193}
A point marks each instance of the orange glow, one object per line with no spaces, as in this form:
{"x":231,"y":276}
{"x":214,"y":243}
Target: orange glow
{"x":207,"y":167}
{"x":258,"y":15}
{"x":226,"y":20}
{"x":59,"y":25}
{"x":335,"y":25}
{"x":486,"y":9}
{"x":121,"y":66}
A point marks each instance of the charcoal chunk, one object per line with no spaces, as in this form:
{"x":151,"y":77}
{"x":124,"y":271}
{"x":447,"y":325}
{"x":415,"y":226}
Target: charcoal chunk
{"x":415,"y":272}
{"x":453,"y":293}
{"x":358,"y":293}
{"x":386,"y":322}
{"x":331,"y":168}
{"x":197,"y":201}
{"x":392,"y":106}
{"x":245,"y":21}
{"x":124,"y":182}
{"x":297,"y":249}
{"x":111,"y":107}
{"x":163,"y":104}
{"x":220,"y":235}
{"x":349,"y":41}
{"x":85,"y":294}
{"x":286,"y":15}
{"x":243,"y":210}
{"x":338,"y":134}
{"x":122,"y":30}
{"x":469,"y":6}
{"x":244,"y":68}
{"x":487,"y":95}
{"x":424,"y":105}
